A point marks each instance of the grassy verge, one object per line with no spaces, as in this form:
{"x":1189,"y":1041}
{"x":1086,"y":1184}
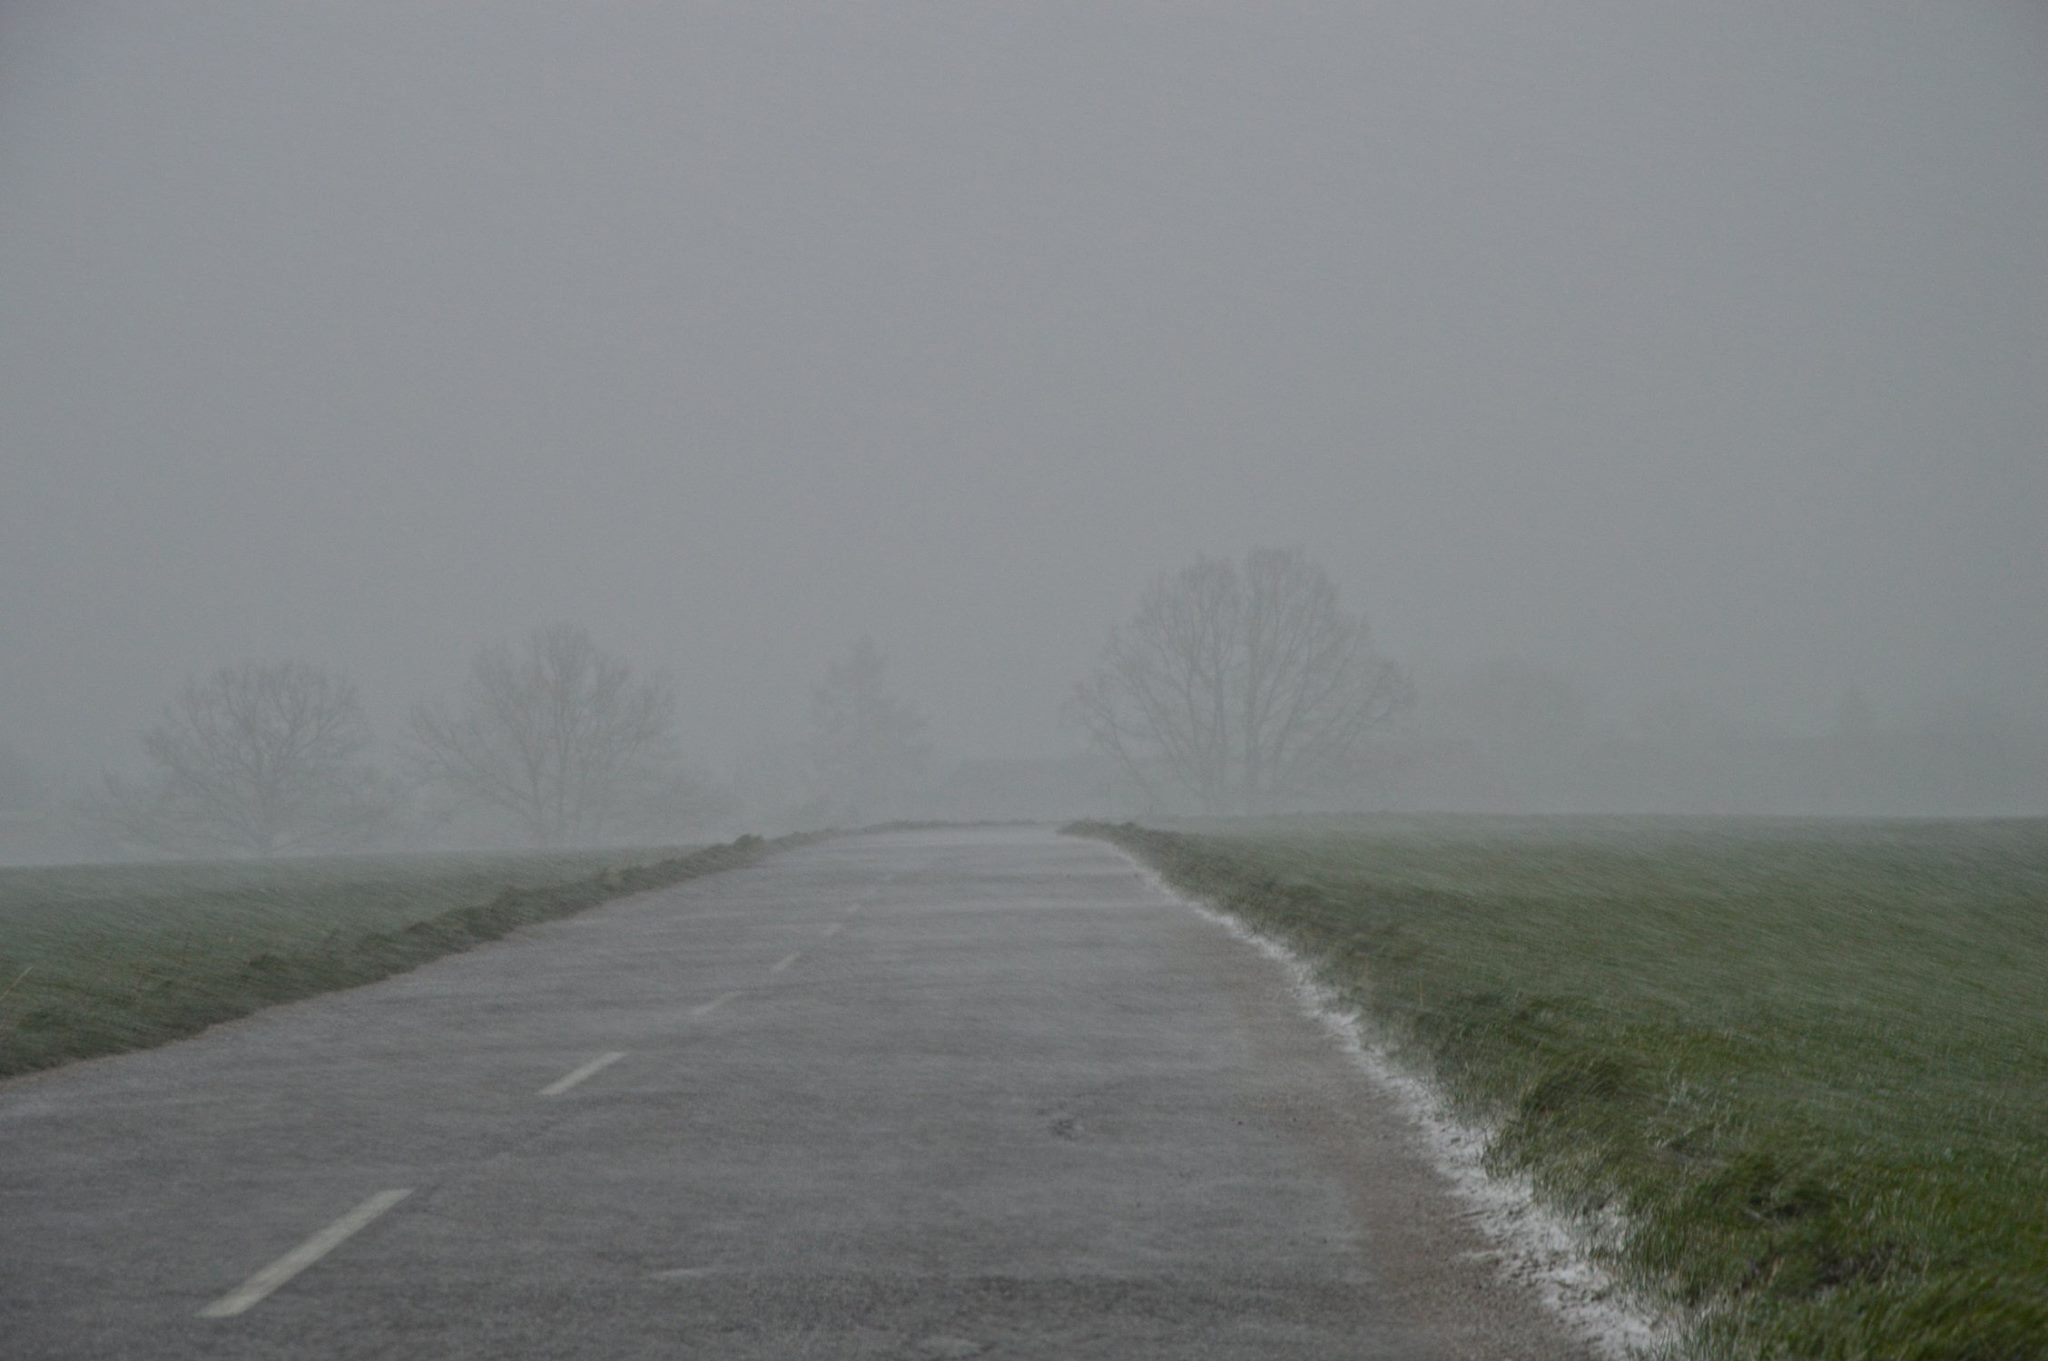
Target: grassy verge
{"x":97,"y":959}
{"x":1806,"y":1061}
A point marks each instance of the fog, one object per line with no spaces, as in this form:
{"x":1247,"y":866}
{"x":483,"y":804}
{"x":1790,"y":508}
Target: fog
{"x":1687,"y":358}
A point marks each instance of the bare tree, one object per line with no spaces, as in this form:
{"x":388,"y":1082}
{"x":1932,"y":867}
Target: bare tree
{"x":557,"y":734}
{"x":1240,"y":686}
{"x":867,"y":747}
{"x":259,"y":759}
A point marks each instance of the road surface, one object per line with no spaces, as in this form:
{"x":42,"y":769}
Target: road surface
{"x":918,"y":1095}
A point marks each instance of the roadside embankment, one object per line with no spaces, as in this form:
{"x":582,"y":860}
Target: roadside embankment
{"x":98,"y":959}
{"x":1797,"y":1072}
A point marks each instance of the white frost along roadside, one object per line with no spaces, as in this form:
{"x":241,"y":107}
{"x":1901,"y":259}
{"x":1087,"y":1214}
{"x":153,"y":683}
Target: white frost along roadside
{"x":1536,"y":1246}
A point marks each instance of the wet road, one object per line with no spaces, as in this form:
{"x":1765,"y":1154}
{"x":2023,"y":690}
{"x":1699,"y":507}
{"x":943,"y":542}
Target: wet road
{"x":916,"y":1095}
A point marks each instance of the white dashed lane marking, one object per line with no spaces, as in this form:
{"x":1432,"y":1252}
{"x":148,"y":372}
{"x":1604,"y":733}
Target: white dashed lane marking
{"x":253,"y":1291}
{"x":590,"y":1069}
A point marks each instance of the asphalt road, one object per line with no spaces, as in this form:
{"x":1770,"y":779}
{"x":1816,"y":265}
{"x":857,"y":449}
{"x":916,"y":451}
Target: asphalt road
{"x":918,"y":1095}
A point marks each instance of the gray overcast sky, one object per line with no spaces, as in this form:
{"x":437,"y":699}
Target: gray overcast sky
{"x":1696,"y":345}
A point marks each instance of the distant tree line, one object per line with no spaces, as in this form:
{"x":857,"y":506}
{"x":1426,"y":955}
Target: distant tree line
{"x":1236,"y":686}
{"x":554,"y":738}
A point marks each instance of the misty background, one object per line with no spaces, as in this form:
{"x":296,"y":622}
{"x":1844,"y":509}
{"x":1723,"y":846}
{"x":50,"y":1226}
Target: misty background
{"x":1666,"y":384}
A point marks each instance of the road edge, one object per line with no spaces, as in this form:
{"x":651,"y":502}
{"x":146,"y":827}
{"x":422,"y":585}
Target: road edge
{"x":272,"y":980}
{"x":1538,"y":1247}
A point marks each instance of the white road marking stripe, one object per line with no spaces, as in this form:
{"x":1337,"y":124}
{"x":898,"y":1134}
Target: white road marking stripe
{"x":706,"y":1008}
{"x":785,"y":962}
{"x":252,"y":1291}
{"x":833,"y":929}
{"x":590,"y":1069}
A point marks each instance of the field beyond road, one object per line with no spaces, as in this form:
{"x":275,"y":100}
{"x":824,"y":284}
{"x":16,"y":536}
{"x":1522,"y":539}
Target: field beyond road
{"x":1806,"y":1062}
{"x":96,"y":959}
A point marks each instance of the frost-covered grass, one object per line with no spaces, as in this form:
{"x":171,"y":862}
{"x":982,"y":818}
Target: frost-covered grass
{"x":95,"y":959}
{"x":1806,"y":1062}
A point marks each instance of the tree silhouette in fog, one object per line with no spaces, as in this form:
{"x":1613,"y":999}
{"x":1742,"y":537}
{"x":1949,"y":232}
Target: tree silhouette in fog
{"x":259,"y":759}
{"x":867,"y":747}
{"x":556,"y":733}
{"x":1240,"y":686}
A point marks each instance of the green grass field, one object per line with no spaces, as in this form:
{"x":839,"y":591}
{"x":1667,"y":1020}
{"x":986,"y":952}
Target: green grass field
{"x":1807,"y":1061}
{"x":96,"y":959}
